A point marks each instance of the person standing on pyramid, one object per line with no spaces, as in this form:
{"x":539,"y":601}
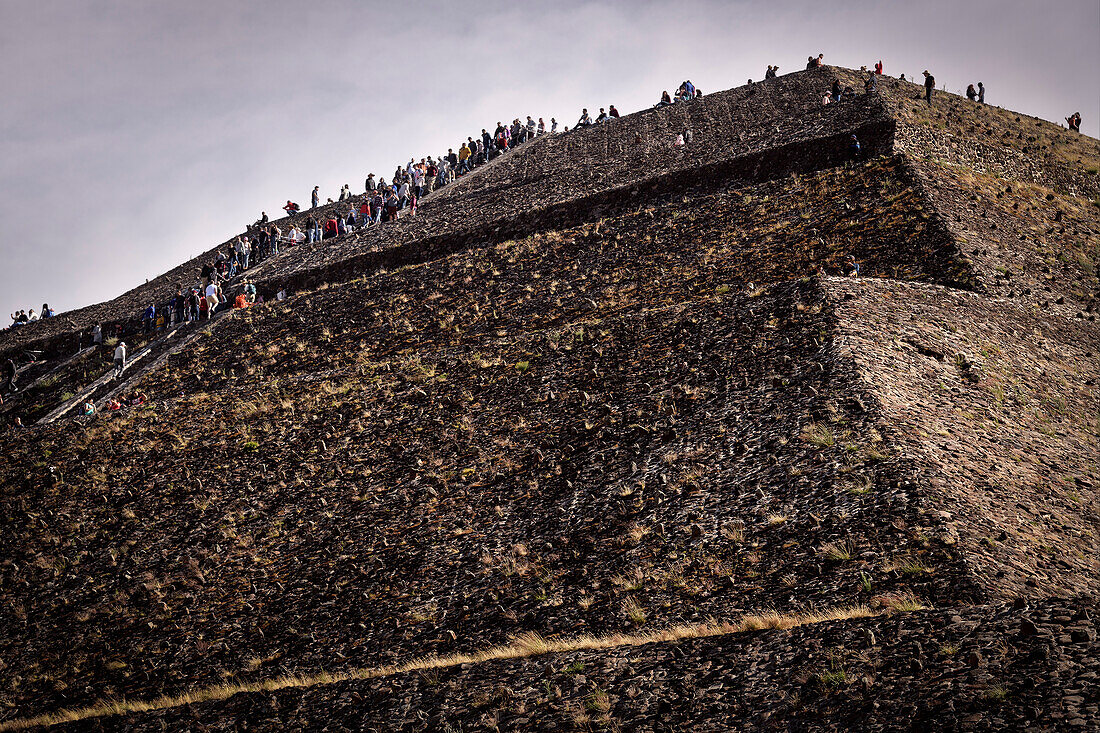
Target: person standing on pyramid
{"x":929,"y":85}
{"x":316,"y":196}
{"x":120,"y":358}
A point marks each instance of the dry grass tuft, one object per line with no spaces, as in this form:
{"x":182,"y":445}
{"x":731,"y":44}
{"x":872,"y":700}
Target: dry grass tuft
{"x":526,"y":645}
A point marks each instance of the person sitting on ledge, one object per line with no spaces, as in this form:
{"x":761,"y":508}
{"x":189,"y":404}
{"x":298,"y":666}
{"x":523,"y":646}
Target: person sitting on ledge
{"x":666,"y":100}
{"x":585,"y":120}
{"x":612,"y":112}
{"x":602,"y":117}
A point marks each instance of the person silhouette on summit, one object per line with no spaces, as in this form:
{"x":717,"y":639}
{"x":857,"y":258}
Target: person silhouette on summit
{"x":1074,"y":121}
{"x":612,"y":112}
{"x":971,"y":92}
{"x":585,"y":120}
{"x":316,"y":196}
{"x":602,"y":117}
{"x":981,"y":93}
{"x":929,"y":86}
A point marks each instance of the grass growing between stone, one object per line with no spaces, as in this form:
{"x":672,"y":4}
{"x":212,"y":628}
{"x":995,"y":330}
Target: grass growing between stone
{"x":526,"y":645}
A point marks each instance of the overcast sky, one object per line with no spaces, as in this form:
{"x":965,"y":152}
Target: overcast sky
{"x":135,"y":135}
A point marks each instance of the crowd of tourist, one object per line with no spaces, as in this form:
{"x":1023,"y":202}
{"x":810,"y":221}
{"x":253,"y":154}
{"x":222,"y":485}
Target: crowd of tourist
{"x":222,"y":284}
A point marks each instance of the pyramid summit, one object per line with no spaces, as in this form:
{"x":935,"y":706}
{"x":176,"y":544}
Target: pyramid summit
{"x":698,"y":415}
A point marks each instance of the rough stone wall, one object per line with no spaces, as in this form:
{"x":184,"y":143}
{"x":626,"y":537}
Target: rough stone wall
{"x":928,"y":143}
{"x":1001,"y":404}
{"x":1024,"y":242}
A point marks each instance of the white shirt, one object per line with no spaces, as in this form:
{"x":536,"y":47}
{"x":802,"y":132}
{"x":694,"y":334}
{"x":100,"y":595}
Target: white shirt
{"x":120,"y":352}
{"x":211,"y":291}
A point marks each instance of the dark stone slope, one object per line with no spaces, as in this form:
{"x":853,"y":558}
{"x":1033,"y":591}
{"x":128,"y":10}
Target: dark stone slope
{"x":607,"y":385}
{"x":698,"y":460}
{"x":988,"y":668}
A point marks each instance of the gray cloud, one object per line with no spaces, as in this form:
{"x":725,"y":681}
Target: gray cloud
{"x":135,"y":135}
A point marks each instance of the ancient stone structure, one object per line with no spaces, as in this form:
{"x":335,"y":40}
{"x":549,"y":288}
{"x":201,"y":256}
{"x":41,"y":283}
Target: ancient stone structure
{"x":604,"y":386}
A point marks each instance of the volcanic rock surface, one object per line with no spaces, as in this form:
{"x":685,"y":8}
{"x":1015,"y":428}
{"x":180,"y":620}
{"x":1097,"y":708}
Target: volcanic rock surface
{"x":605,"y":386}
